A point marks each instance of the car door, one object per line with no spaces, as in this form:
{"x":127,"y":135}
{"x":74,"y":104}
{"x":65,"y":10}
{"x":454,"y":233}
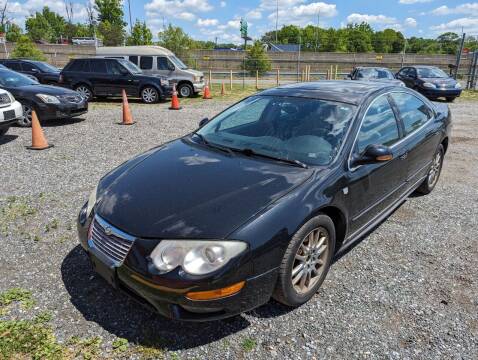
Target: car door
{"x":120,"y":79}
{"x":422,"y":135}
{"x":375,"y":187}
{"x":165,"y":67}
{"x":404,"y":75}
{"x":31,"y":69}
{"x":99,"y":77}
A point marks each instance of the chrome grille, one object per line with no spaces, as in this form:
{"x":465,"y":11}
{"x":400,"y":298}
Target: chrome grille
{"x":110,"y":241}
{"x":4,"y":99}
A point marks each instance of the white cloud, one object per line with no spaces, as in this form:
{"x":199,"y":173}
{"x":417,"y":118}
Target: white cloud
{"x":468,"y":8}
{"x":21,"y":10}
{"x":231,"y":24}
{"x":297,"y":13}
{"x":207,"y":22}
{"x":468,"y":24}
{"x":222,"y":4}
{"x":409,"y":2}
{"x":370,"y":19}
{"x":254,"y":14}
{"x":177,"y":9}
{"x":410,"y":22}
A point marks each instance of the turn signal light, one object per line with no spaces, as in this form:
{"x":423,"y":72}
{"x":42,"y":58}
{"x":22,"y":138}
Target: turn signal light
{"x":384,"y":158}
{"x":216,"y":294}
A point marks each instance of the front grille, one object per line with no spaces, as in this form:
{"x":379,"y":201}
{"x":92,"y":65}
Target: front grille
{"x":110,"y":241}
{"x":74,"y":99}
{"x":4,"y":99}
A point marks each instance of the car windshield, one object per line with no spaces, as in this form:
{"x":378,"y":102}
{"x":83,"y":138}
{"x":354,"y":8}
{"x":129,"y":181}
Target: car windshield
{"x":130,"y":66}
{"x":292,"y":128}
{"x":178,"y":63}
{"x":431,"y":73}
{"x":374,"y":73}
{"x":13,"y":79}
{"x":46,"y":67}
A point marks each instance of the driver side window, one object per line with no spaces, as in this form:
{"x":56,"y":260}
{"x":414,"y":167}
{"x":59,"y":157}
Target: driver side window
{"x":379,"y":126}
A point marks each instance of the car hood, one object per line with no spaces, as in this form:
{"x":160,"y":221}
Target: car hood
{"x":43,"y":89}
{"x":440,"y":81}
{"x":186,"y":190}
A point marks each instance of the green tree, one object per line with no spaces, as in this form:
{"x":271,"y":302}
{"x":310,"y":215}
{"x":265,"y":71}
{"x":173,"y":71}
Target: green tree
{"x":448,"y":42}
{"x":45,"y":25}
{"x":25,"y":48}
{"x":141,"y":35}
{"x":257,"y":59}
{"x":111,"y":27}
{"x":175,"y":39}
{"x":359,"y":37}
{"x":13,"y":32}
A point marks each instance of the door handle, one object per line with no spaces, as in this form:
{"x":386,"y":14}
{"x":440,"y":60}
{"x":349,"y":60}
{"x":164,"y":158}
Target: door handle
{"x":403,"y":156}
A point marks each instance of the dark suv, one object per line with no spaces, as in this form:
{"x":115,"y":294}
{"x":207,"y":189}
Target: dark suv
{"x":107,"y":77}
{"x":41,"y":71}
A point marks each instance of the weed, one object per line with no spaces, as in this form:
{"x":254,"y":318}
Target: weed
{"x":17,"y":295}
{"x":248,"y":344}
{"x":120,"y":345}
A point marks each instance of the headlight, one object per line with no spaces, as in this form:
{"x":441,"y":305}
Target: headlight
{"x":12,"y":98}
{"x":458,"y":85}
{"x":196,"y":257}
{"x":429,"y":85}
{"x":49,"y":99}
{"x":402,"y":84}
{"x":91,"y":201}
{"x":197,"y":79}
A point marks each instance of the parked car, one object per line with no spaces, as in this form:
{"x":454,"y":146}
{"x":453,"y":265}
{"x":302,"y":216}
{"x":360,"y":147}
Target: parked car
{"x":258,"y":201}
{"x":380,"y":74}
{"x":41,"y":71}
{"x":10,"y":111}
{"x":157,"y":60}
{"x":49,"y":102}
{"x":430,"y":81}
{"x":107,"y":77}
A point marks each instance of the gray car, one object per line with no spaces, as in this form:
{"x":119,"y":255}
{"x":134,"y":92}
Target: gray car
{"x":380,"y":74}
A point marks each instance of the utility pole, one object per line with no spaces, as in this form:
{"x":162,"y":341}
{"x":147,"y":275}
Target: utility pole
{"x":130,"y":23}
{"x":277,"y":18}
{"x":317,"y":32}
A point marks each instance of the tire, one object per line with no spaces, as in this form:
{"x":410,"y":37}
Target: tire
{"x":185,"y":90}
{"x":321,"y":231}
{"x":85,"y":91}
{"x":26,"y":120}
{"x":450,"y":99}
{"x":3,"y":131}
{"x":434,"y":172}
{"x":149,"y":95}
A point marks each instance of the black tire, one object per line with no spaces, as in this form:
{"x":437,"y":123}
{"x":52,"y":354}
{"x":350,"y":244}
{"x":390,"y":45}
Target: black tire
{"x":3,"y":131}
{"x":429,"y":183}
{"x":149,"y":95}
{"x":285,"y":291}
{"x":85,"y":91}
{"x":450,"y":99}
{"x":26,"y":120}
{"x":185,"y":90}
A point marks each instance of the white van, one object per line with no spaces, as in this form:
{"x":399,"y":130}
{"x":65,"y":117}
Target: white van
{"x":156,"y":60}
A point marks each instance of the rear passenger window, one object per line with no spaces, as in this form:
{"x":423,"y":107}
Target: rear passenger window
{"x":79,"y":66}
{"x":98,"y":66}
{"x":134,"y":59}
{"x":146,"y":62}
{"x":413,"y":112}
{"x":379,"y":126}
{"x":13,"y":65}
{"x":28,"y":67}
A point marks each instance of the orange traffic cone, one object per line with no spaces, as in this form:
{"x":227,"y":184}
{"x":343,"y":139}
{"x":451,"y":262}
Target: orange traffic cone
{"x":174,"y":100}
{"x":38,"y":138}
{"x":223,"y":91}
{"x":127,"y":117}
{"x":207,"y":94}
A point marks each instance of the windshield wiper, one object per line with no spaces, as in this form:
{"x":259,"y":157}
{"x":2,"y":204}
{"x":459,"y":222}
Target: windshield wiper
{"x":216,"y":146}
{"x":250,"y":152}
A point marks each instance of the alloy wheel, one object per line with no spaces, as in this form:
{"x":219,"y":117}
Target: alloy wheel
{"x":26,"y":119}
{"x":310,"y":258}
{"x":434,"y":171}
{"x":84,"y":91}
{"x":149,"y":95}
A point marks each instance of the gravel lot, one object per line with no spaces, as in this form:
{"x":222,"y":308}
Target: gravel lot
{"x":408,"y":290}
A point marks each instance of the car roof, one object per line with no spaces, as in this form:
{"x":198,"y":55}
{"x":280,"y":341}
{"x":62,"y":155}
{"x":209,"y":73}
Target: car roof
{"x":373,"y":67}
{"x":133,"y":50}
{"x":351,"y":92}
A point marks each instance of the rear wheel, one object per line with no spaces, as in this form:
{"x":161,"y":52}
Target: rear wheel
{"x":26,"y":119}
{"x":185,"y":90}
{"x":149,"y":95}
{"x":306,"y":261}
{"x":84,"y":91}
{"x":433,"y":173}
{"x":3,"y":131}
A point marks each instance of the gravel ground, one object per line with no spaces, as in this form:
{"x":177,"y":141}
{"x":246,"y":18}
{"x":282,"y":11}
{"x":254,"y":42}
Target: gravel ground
{"x":408,"y":290}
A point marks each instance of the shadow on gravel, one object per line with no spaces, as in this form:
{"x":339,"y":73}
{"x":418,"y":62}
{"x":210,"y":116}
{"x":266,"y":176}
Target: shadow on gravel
{"x":62,"y":122}
{"x":121,"y":316}
{"x":5,"y":139}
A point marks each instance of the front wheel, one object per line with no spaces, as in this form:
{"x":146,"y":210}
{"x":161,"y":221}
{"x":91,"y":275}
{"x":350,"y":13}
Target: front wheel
{"x":185,"y":90}
{"x":306,"y":261}
{"x":26,"y":119}
{"x":433,"y":173}
{"x":149,"y":95}
{"x":84,"y":91}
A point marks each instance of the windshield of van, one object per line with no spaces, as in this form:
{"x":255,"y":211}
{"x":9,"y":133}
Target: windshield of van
{"x":311,"y":131}
{"x":178,"y":63}
{"x":130,"y":66}
{"x":374,"y":73}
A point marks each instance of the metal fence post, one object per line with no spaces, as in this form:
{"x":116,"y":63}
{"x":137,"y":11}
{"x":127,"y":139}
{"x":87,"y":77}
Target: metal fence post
{"x":230,"y":80}
{"x":277,"y":77}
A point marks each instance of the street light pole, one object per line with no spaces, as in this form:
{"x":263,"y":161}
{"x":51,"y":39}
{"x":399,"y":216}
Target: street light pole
{"x":130,"y":23}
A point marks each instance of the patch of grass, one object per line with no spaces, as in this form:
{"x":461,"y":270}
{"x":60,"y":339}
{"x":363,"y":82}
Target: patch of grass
{"x":148,"y":352}
{"x":17,"y":295}
{"x":237,"y":93}
{"x":120,"y":345}
{"x":248,"y":344}
{"x":469,"y":95}
{"x":52,"y":225}
{"x":86,"y":348}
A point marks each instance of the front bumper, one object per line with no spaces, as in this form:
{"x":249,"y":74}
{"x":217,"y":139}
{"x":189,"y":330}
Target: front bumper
{"x":439,"y":92}
{"x":166,"y":293}
{"x":10,"y":114}
{"x":61,"y":111}
{"x":198,"y":87}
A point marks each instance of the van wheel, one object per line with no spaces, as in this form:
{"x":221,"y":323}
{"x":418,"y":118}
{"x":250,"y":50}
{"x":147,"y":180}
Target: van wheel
{"x":84,"y":91}
{"x":149,"y":95}
{"x":185,"y":90}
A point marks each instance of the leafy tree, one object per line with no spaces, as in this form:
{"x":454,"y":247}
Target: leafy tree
{"x":45,"y":25}
{"x":141,"y":35}
{"x":257,"y":59}
{"x":14,"y":32}
{"x":110,"y":16}
{"x":111,"y":34}
{"x":448,"y":42}
{"x":25,"y":48}
{"x":175,"y":39}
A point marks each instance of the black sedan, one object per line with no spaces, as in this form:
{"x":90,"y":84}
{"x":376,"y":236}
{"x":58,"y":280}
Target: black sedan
{"x":258,"y":201}
{"x":430,"y":81}
{"x":41,"y":71}
{"x":49,"y":102}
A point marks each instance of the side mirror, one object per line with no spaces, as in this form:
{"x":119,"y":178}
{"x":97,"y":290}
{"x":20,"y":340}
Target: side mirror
{"x":203,"y":122}
{"x":374,"y":154}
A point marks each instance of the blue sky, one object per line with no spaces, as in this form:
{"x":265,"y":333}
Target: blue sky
{"x":208,"y":19}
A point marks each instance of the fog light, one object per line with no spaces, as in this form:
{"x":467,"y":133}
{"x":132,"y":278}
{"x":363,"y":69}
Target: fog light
{"x":216,"y":294}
